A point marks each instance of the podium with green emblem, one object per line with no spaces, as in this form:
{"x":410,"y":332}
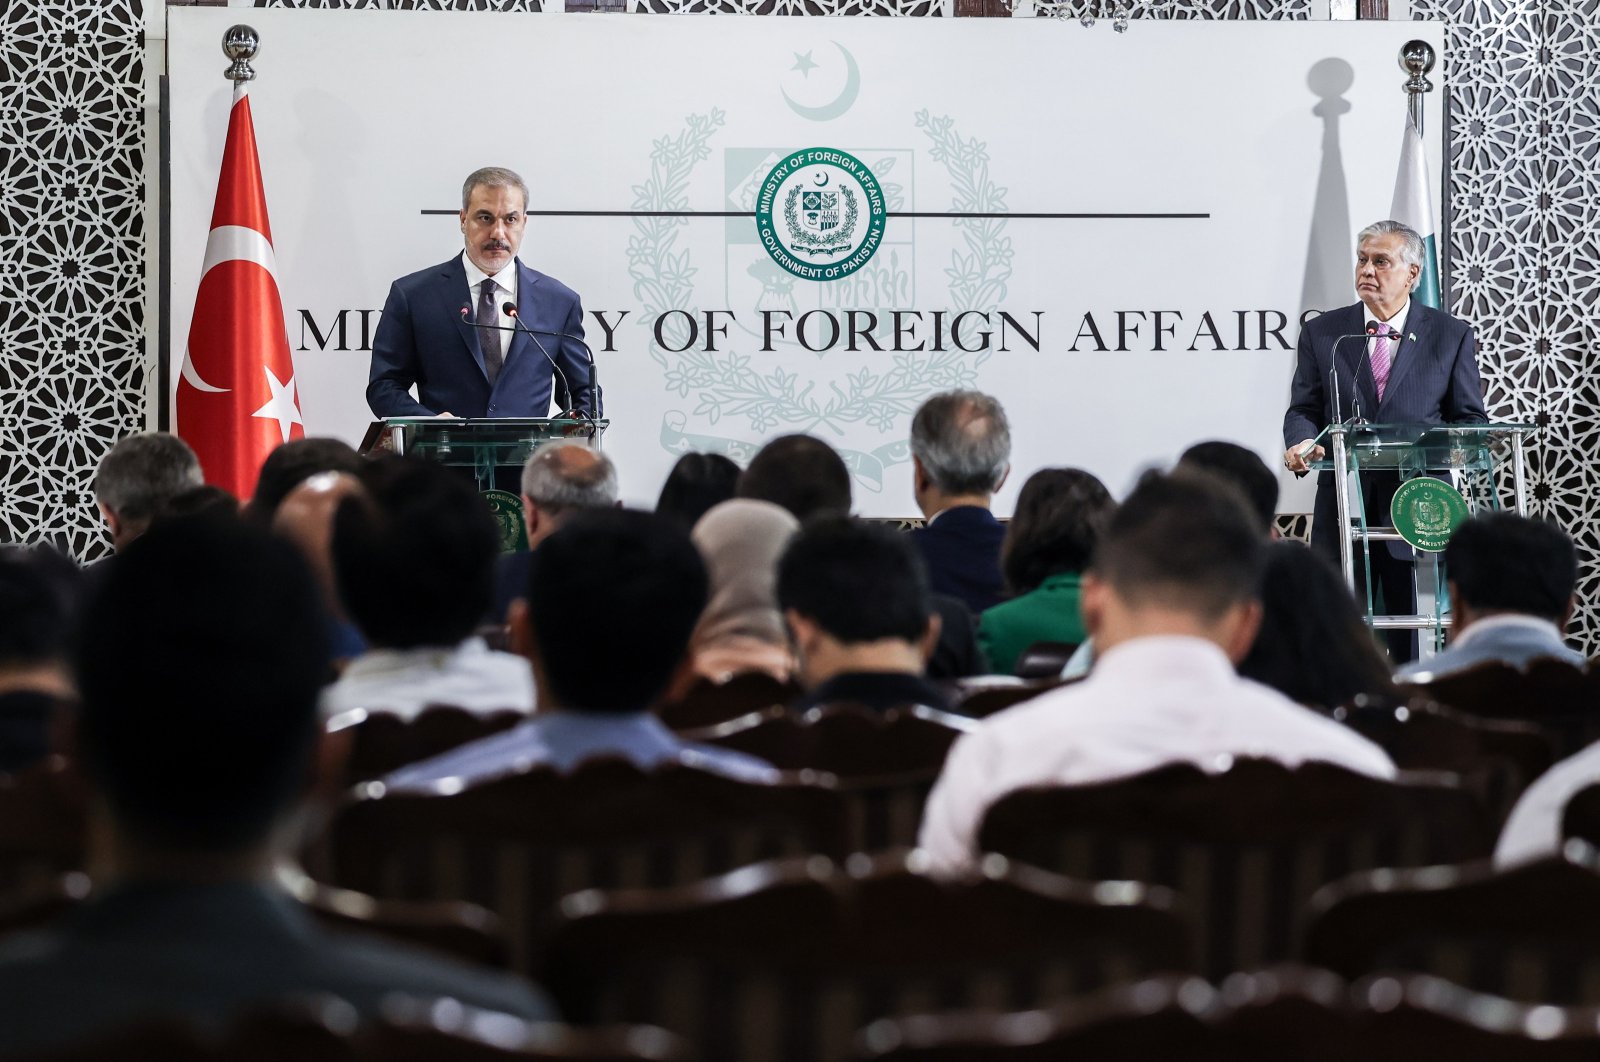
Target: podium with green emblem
{"x":492,"y":450}
{"x":1447,"y":472}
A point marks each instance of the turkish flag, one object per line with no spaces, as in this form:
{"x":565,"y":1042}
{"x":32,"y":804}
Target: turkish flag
{"x":236,"y":397}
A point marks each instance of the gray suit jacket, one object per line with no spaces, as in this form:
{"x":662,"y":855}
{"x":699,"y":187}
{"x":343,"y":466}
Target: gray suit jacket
{"x":1516,"y":645}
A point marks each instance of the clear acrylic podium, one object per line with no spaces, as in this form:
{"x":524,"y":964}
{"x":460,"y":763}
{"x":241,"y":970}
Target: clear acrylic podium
{"x":483,"y":445}
{"x":1471,"y":457}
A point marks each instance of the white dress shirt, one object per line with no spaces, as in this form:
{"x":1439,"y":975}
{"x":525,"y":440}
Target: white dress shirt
{"x":1534,"y":828}
{"x":505,"y":283}
{"x":405,"y":681}
{"x":1147,"y":703}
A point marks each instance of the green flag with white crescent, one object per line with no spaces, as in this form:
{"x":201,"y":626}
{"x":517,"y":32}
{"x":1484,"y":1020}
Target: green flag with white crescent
{"x":1413,"y":206}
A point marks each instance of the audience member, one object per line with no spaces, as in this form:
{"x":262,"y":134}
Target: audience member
{"x":1245,"y":469}
{"x":292,"y":464}
{"x":1313,"y":647}
{"x":741,"y":628}
{"x":558,"y":480}
{"x":39,"y":591}
{"x":612,"y":599}
{"x":1171,"y":599}
{"x":960,"y":455}
{"x":205,"y":501}
{"x":696,"y":484}
{"x":799,"y":472}
{"x":199,"y":664}
{"x":1512,"y":582}
{"x":305,"y":517}
{"x":137,"y":477}
{"x":1048,"y":544}
{"x":414,"y":560}
{"x":855,"y":597}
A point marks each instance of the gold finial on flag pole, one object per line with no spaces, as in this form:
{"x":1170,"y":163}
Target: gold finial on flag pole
{"x":1416,"y":59}
{"x":240,"y":44}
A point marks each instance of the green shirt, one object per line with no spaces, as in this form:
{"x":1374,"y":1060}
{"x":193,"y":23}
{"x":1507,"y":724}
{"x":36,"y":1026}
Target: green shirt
{"x":1047,"y":614}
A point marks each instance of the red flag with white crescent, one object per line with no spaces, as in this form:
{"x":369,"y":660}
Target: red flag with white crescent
{"x":236,"y":397}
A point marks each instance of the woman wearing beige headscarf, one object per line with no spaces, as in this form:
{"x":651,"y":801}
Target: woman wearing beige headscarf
{"x":741,"y":628}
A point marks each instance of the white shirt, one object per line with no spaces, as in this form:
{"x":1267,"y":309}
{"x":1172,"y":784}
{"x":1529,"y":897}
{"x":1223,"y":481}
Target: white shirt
{"x":405,"y":681}
{"x":1534,"y":828}
{"x":505,"y":283}
{"x":1397,"y":323}
{"x":1147,"y":703}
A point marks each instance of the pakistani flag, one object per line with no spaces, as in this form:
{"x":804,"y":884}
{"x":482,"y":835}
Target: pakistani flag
{"x":1413,"y":206}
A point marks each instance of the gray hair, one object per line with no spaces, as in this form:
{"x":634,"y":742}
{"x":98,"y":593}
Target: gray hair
{"x":963,"y":440}
{"x":554,"y":480}
{"x":1412,"y":248}
{"x":144,"y":471}
{"x":493,"y":177}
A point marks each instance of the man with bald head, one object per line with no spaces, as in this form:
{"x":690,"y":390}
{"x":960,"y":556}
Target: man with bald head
{"x":558,"y":480}
{"x":304,"y":517}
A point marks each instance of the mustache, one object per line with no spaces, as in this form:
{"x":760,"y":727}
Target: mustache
{"x":497,"y":245}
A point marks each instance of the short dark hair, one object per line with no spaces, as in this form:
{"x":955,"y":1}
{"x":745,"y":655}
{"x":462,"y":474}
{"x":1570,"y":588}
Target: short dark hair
{"x":1503,"y":561}
{"x":39,"y":591}
{"x":801,"y":473}
{"x":200,"y":660}
{"x":859,"y":581}
{"x":1054,"y":527}
{"x":1244,"y":469}
{"x":414,"y":559}
{"x":963,"y":440}
{"x":1313,"y":647}
{"x":613,"y":596}
{"x":695,"y":484}
{"x":142,"y":471}
{"x":211,"y":502}
{"x":1184,"y":539}
{"x":292,"y":464}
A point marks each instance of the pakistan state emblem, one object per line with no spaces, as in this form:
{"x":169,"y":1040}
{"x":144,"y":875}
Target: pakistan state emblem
{"x":820,"y":214}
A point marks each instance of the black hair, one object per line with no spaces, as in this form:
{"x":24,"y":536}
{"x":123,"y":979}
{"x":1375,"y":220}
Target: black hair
{"x":859,"y":581}
{"x":292,"y":464}
{"x":1313,"y":645}
{"x":414,"y":559}
{"x":1506,"y":562}
{"x":696,"y":484}
{"x":39,"y":592}
{"x":200,"y":658}
{"x":801,"y":473}
{"x":613,"y":596}
{"x":1244,"y":469}
{"x":1185,"y":539}
{"x":206,"y":500}
{"x":1054,"y":527}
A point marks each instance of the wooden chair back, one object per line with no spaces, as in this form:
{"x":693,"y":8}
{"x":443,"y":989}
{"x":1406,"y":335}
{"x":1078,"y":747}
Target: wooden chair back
{"x":1561,"y":698}
{"x":1247,"y":845}
{"x":383,"y":742}
{"x":784,"y":962}
{"x":985,"y":695}
{"x":1526,"y":933}
{"x":708,"y":703}
{"x":517,"y":844}
{"x":1580,"y":819}
{"x":1044,"y":660}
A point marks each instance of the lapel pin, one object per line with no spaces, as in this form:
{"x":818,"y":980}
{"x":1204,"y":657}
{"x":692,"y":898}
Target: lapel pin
{"x":1411,"y":336}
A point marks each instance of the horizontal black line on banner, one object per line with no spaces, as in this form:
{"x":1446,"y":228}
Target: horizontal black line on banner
{"x":748,"y":214}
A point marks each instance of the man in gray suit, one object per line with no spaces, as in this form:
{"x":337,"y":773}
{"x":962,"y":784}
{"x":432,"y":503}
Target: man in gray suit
{"x":1512,"y":582}
{"x":200,"y":658}
{"x":1415,"y":365}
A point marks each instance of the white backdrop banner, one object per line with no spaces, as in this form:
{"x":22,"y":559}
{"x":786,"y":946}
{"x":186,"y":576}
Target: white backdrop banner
{"x":809,"y":225}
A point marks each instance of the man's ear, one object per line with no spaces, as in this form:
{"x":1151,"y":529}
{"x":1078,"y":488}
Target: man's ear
{"x":113,"y":522}
{"x":1002,"y":480}
{"x":530,"y":517}
{"x":1239,"y":627}
{"x":919,"y":476}
{"x":520,"y":624}
{"x":930,"y":636}
{"x":1566,"y":613}
{"x":1092,"y":603}
{"x":463,"y":216}
{"x":802,"y":630}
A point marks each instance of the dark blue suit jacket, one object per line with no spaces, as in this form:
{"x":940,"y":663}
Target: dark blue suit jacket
{"x":962,"y":550}
{"x":424,"y":339}
{"x":1433,"y":380}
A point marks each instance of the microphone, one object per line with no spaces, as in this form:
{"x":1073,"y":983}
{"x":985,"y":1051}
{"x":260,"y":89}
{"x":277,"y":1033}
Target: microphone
{"x":597,"y":400}
{"x":516,"y":324}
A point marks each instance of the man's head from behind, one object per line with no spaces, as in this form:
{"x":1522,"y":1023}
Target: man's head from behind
{"x":564,"y":478}
{"x":1243,"y":468}
{"x":855,"y":596}
{"x":1182,"y":555}
{"x":199,"y":664}
{"x":961,"y":449}
{"x":137,"y":477}
{"x":414,"y":557}
{"x":292,"y":464}
{"x":39,"y":591}
{"x":801,"y":473}
{"x":1504,"y":563}
{"x":612,"y":598}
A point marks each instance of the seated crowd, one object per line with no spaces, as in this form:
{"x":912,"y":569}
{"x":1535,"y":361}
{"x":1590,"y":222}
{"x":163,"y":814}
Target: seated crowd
{"x":203,"y":685}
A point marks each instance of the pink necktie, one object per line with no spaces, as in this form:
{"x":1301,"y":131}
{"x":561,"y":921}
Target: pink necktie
{"x":1380,"y":360}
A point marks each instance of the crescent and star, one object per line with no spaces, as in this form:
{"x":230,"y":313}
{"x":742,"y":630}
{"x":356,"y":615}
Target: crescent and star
{"x":839,"y":104}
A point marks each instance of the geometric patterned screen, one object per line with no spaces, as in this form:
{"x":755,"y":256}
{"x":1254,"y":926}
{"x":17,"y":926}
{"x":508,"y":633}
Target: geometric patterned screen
{"x":1522,"y":218}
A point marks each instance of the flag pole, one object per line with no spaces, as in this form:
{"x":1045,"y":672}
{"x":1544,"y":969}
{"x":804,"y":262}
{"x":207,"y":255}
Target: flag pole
{"x":242,"y":42}
{"x":1417,"y":59}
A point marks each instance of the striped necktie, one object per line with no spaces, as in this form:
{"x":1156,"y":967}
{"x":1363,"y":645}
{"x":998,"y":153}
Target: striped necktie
{"x":1381,"y":360}
{"x":489,"y":334}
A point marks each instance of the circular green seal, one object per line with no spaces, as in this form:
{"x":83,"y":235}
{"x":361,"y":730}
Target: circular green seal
{"x":820,"y":214}
{"x":507,"y":510}
{"x":1426,"y":512}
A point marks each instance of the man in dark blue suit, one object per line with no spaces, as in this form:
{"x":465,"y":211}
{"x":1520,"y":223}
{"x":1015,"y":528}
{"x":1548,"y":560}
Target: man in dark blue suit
{"x":445,"y":329}
{"x":1424,"y":371}
{"x":960,"y":455}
